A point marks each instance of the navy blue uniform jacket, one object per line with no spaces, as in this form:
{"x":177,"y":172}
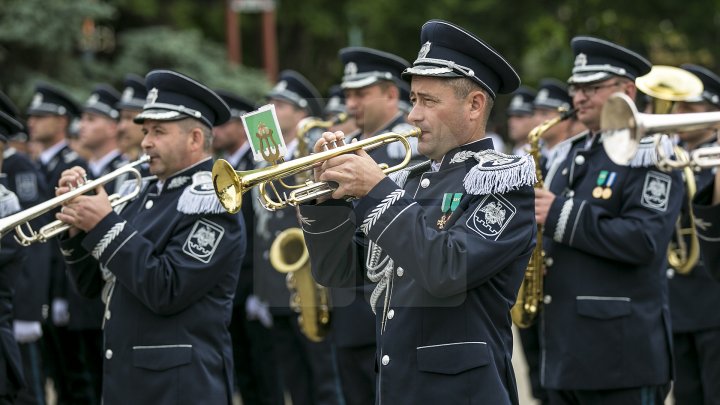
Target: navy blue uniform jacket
{"x":166,"y":336}
{"x":443,"y":324}
{"x":606,"y":320}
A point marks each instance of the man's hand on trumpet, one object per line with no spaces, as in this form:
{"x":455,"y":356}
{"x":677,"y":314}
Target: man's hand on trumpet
{"x":83,"y":212}
{"x":355,"y":173}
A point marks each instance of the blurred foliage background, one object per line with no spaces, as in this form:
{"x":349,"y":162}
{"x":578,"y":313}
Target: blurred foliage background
{"x":76,"y":43}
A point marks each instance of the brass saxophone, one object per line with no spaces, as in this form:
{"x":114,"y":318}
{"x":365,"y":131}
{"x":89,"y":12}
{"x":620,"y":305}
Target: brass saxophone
{"x":530,"y":295}
{"x":289,"y":255}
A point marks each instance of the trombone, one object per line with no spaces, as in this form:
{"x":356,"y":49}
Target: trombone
{"x":231,"y":184}
{"x":28,"y":236}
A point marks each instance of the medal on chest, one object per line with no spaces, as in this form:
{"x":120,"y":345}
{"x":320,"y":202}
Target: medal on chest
{"x":604,"y":183}
{"x":450,"y":203}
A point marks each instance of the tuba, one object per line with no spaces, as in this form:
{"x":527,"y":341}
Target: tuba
{"x":530,"y":295}
{"x":667,"y":85}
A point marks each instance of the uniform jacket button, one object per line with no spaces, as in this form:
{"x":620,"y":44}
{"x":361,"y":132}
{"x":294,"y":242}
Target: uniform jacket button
{"x":547,"y":300}
{"x":579,"y":160}
{"x":385,"y":360}
{"x":107,"y":314}
{"x":549,"y":261}
{"x":564,"y":172}
{"x":391,"y":314}
{"x":149,"y":204}
{"x":570,"y":193}
{"x":670,"y":273}
{"x":108,"y":354}
{"x":425,"y":183}
{"x":400,"y":271}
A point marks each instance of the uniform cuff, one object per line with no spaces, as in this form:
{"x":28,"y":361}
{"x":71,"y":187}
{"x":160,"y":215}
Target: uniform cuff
{"x":562,"y":219}
{"x":325,"y":217}
{"x":72,"y":249}
{"x":381,"y":207}
{"x":107,"y":237}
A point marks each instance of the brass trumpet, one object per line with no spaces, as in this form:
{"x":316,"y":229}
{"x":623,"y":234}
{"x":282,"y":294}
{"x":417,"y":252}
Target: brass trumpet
{"x":231,"y":184}
{"x":28,"y":236}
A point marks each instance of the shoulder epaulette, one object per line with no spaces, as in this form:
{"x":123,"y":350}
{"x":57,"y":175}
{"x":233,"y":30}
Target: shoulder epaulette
{"x":400,"y":177}
{"x":646,"y":155}
{"x":499,"y":173}
{"x":396,"y":150}
{"x":199,"y":197}
{"x":9,"y":203}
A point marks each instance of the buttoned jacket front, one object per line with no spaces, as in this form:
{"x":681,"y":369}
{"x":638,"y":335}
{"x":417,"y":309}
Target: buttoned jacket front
{"x":452,"y":272}
{"x":166,"y":336}
{"x":605,"y":322}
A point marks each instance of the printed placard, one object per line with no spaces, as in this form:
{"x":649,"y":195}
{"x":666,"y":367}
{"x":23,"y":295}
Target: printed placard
{"x":263,"y":132}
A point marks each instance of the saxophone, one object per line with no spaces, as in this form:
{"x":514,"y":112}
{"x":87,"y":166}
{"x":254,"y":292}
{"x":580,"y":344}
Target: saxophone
{"x":530,"y":295}
{"x":289,"y":255}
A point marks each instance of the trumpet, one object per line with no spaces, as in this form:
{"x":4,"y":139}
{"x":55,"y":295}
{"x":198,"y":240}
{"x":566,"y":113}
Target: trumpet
{"x":28,"y":236}
{"x":231,"y":184}
{"x":623,"y":127}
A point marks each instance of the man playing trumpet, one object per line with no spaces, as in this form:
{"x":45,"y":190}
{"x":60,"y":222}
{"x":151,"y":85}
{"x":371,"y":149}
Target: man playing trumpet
{"x":167,"y":264}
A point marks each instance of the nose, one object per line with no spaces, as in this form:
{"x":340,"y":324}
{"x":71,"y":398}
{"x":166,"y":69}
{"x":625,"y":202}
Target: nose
{"x":415,"y":115}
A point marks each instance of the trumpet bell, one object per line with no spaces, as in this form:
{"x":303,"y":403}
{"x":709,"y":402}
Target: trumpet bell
{"x":621,"y":135}
{"x":228,"y":186}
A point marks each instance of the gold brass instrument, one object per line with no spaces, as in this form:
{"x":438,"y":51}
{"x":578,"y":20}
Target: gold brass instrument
{"x":667,"y":85}
{"x":230,"y":184}
{"x":288,"y":254}
{"x":22,"y":219}
{"x":530,"y":295}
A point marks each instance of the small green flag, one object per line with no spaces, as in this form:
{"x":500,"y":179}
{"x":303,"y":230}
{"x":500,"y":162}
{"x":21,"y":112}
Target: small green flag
{"x":263,"y":132}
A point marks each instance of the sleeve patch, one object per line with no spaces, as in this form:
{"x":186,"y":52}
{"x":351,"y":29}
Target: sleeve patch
{"x":203,"y":240}
{"x":656,"y":191}
{"x":491,"y":216}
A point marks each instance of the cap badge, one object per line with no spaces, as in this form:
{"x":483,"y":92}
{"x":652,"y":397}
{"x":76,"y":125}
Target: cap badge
{"x":280,"y":86}
{"x":128,"y":94}
{"x":351,"y":69}
{"x":542,"y":95}
{"x":516,"y":101}
{"x":152,"y":96}
{"x":37,"y":100}
{"x":581,"y":59}
{"x":424,"y":50}
{"x":93,"y":99}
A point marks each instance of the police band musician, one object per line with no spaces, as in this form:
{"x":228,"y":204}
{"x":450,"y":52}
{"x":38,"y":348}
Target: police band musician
{"x":696,"y":326}
{"x":606,"y":231}
{"x":448,"y":239}
{"x":166,"y":265}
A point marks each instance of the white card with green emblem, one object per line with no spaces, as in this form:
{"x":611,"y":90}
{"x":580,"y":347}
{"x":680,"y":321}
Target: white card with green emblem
{"x":263,"y":132}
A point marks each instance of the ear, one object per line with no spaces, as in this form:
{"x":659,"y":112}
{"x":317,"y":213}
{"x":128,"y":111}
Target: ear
{"x":477,"y":102}
{"x":630,"y":89}
{"x":196,"y":139}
